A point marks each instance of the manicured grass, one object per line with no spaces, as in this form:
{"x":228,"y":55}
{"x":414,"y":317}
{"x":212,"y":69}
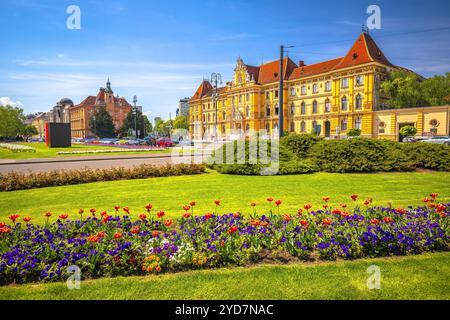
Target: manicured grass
{"x":236,"y":192}
{"x":413,"y":277}
{"x":42,"y":151}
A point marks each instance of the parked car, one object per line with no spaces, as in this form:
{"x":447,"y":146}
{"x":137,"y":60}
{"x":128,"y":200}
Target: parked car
{"x":409,"y":139}
{"x":165,"y":142}
{"x":108,"y":141}
{"x":438,"y":140}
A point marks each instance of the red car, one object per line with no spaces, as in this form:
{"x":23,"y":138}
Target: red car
{"x":165,"y":142}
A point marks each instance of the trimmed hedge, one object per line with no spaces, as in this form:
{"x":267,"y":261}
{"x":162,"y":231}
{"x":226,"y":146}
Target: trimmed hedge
{"x":21,"y":181}
{"x":306,"y":153}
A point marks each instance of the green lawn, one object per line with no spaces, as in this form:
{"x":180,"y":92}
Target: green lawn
{"x":236,"y":193}
{"x":414,"y":277}
{"x":42,"y":151}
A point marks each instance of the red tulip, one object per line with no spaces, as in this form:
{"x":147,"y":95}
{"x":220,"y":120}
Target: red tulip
{"x":336,"y":211}
{"x":2,"y":224}
{"x":105,"y":219}
{"x":253,"y":204}
{"x":186,"y":208}
{"x":270,"y":199}
{"x":233,"y":229}
{"x":93,"y":211}
{"x":307,"y":206}
{"x":400,"y":210}
{"x":168,"y":223}
{"x":434,"y":196}
{"x":160,"y":214}
{"x":117,"y":235}
{"x":186,"y":215}
{"x":208,"y":215}
{"x":326,"y":199}
{"x":4,"y":230}
{"x":217,"y":202}
{"x":14,"y":217}
{"x":278,"y":203}
{"x":327,"y":221}
{"x":192,"y":203}
{"x":366,"y":202}
{"x":126,"y":209}
{"x":300,"y":211}
{"x":149,"y":207}
{"x":236,"y":215}
{"x":48,"y":214}
{"x":375,"y":221}
{"x":117,"y":208}
{"x":27,"y":219}
{"x":354,"y":197}
{"x":343,"y":205}
{"x":135,"y":230}
{"x":287,"y":217}
{"x":93,"y":239}
{"x":345,"y":214}
{"x":143,"y":216}
{"x":155,"y":234}
{"x":64,"y":216}
{"x":304,"y":223}
{"x":101,"y":234}
{"x":387,"y":219}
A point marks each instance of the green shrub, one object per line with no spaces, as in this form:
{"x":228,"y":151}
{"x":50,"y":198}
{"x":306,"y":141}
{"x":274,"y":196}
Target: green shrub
{"x":360,"y":155}
{"x":427,"y":155}
{"x":408,"y":131}
{"x":21,"y":181}
{"x":354,"y":132}
{"x":300,"y":144}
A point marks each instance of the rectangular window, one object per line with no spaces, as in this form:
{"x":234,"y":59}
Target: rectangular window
{"x":344,"y":83}
{"x":328,"y":86}
{"x":359,"y":80}
{"x":276,"y":94}
{"x":315,"y":90}
{"x":303,"y":90}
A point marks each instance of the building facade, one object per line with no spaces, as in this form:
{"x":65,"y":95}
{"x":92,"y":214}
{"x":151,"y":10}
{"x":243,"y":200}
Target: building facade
{"x":328,"y":98}
{"x":118,"y":108}
{"x":183,"y":107}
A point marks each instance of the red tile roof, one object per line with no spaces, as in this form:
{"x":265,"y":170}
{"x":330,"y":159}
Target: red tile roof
{"x":314,"y":69}
{"x":204,"y":88}
{"x":270,"y":72}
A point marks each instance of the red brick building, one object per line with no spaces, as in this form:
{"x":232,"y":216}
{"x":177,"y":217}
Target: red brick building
{"x":118,"y":108}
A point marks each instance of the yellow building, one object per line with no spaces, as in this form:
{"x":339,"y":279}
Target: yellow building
{"x":329,"y":98}
{"x":39,"y":123}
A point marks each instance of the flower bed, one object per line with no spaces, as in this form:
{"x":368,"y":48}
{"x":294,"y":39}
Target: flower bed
{"x":123,"y":150}
{"x":140,"y":243}
{"x":17,"y":147}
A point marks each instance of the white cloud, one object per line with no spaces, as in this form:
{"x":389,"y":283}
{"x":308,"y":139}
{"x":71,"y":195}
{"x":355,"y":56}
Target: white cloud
{"x":6,"y":101}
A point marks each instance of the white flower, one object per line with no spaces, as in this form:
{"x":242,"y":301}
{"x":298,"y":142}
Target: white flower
{"x":17,"y":147}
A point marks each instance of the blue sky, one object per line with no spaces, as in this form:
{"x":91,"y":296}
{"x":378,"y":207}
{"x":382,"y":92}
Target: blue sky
{"x":161,"y":50}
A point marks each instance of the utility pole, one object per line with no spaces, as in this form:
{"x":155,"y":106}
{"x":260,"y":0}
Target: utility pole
{"x":215,"y":79}
{"x":280,"y":93}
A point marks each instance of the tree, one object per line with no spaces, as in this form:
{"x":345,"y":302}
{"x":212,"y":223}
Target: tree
{"x":143,"y":124}
{"x":435,"y":90}
{"x":181,"y":122}
{"x":101,"y":124}
{"x":29,"y":131}
{"x":11,"y":123}
{"x":403,"y":89}
{"x":408,"y":131}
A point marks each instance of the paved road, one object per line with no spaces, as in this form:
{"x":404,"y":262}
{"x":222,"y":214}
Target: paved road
{"x":96,"y":162}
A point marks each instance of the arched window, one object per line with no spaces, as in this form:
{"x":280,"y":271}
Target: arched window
{"x":358,"y":123}
{"x":224,"y":115}
{"x":292,"y":108}
{"x":314,"y":88}
{"x":344,"y":103}
{"x":267,"y":127}
{"x":267,"y":111}
{"x":292,"y":126}
{"x":247,"y":112}
{"x":314,"y":108}
{"x":303,"y":126}
{"x":303,"y":108}
{"x":344,"y":125}
{"x":247,"y":127}
{"x":327,"y":105}
{"x":358,"y":102}
{"x":277,"y":109}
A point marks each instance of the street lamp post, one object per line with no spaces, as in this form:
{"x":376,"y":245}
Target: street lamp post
{"x":94,"y":119}
{"x":135,"y":115}
{"x":216,"y":78}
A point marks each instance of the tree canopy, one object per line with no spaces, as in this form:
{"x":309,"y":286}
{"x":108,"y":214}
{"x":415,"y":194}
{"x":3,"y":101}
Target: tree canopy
{"x":143,"y":124}
{"x":101,"y":124}
{"x":11,"y":123}
{"x":405,"y":89}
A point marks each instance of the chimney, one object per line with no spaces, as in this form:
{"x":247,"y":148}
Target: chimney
{"x":301,"y":63}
